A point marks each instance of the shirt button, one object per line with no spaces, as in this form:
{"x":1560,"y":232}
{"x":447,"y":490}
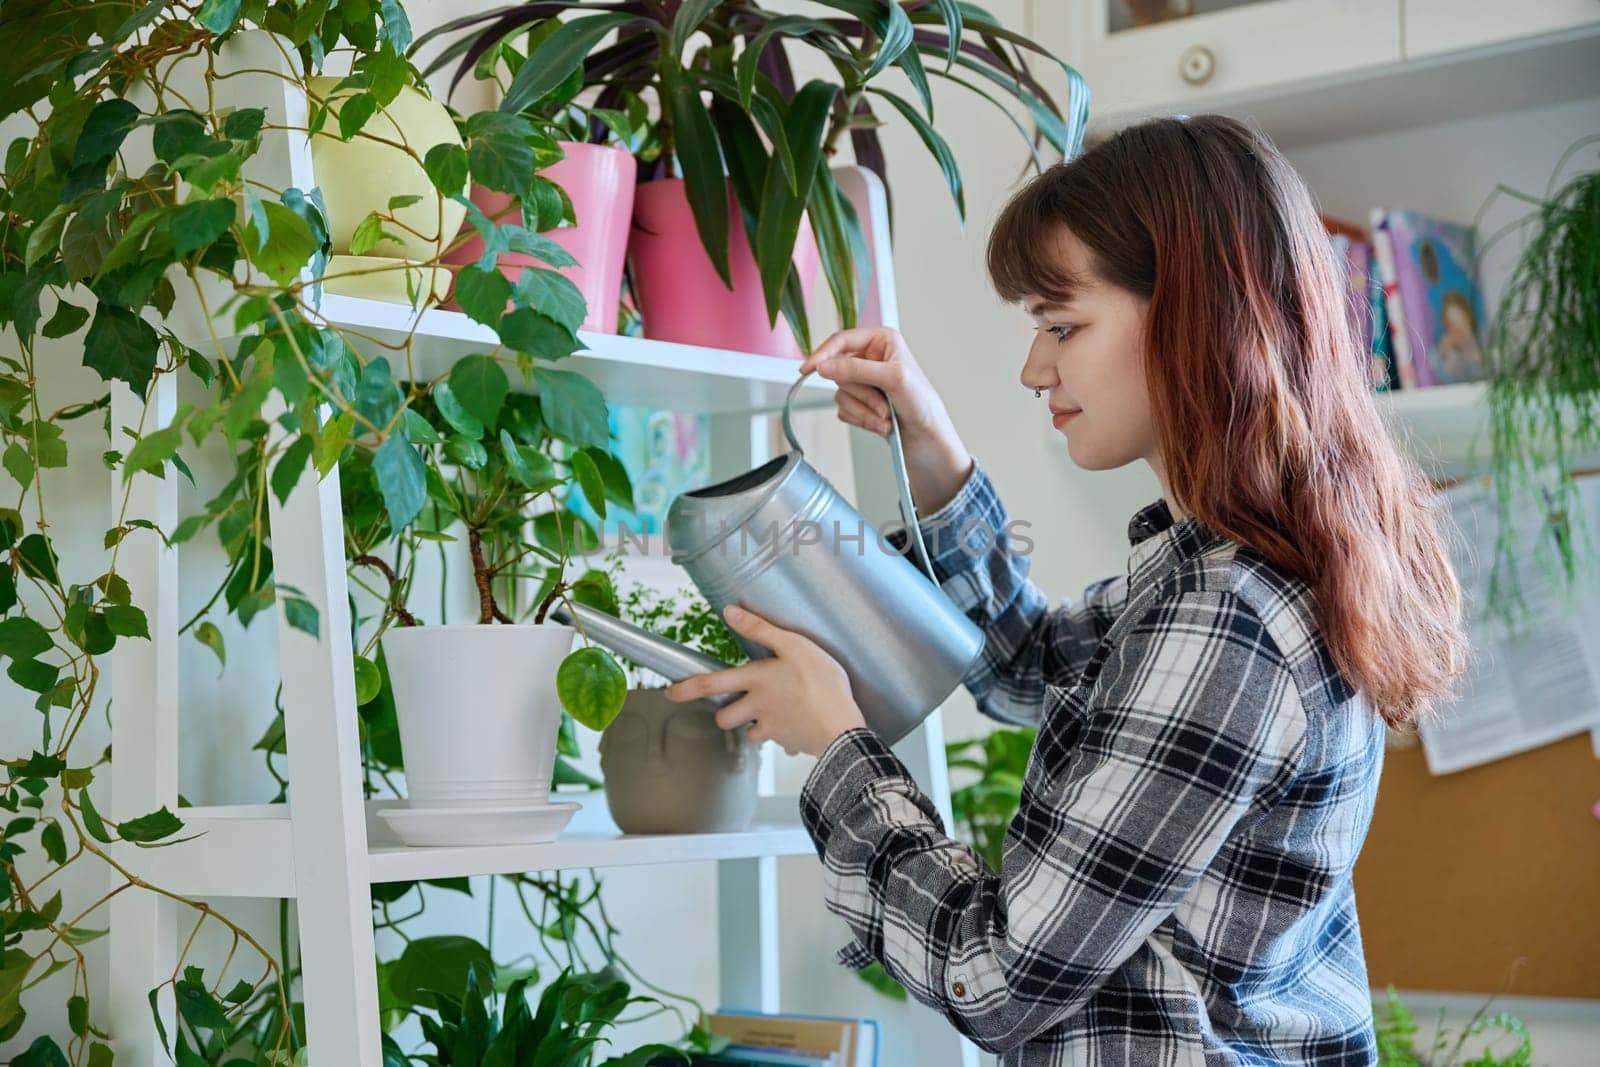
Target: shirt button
{"x":958,"y":987}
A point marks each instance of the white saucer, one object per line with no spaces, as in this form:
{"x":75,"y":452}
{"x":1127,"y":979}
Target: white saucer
{"x":479,"y":826}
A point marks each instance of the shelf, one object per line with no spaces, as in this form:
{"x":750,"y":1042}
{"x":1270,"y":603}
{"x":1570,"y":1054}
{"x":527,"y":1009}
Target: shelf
{"x":1519,"y":74}
{"x":628,"y":370}
{"x":246,"y":850}
{"x":1443,"y":426}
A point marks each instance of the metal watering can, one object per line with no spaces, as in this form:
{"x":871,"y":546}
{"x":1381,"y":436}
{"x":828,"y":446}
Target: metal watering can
{"x":780,"y":541}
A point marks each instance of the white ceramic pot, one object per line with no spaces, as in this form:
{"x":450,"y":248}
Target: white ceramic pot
{"x":362,"y":175}
{"x":670,"y":769}
{"x":478,"y":711}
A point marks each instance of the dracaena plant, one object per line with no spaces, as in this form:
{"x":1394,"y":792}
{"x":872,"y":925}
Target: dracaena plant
{"x":773,"y":139}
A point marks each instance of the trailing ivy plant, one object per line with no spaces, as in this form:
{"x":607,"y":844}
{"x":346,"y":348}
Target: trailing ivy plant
{"x":102,"y":234}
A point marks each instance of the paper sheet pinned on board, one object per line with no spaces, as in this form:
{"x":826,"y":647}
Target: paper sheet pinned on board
{"x":1538,"y":684}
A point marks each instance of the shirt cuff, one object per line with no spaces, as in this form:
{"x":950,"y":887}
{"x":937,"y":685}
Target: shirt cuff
{"x":975,"y":510}
{"x":850,"y":764}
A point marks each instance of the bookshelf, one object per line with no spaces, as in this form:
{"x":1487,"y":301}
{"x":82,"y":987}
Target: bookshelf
{"x":324,"y":849}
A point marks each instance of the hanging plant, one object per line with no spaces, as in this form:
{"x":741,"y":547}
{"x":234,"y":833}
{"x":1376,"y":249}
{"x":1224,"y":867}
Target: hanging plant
{"x":1544,"y":379}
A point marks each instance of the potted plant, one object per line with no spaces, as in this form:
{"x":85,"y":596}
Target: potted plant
{"x":385,"y":217}
{"x":668,"y":766}
{"x":581,"y":195}
{"x":763,"y":147}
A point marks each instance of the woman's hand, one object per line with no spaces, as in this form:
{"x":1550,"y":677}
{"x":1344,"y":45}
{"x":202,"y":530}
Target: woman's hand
{"x":871,"y":366}
{"x":799,"y":697}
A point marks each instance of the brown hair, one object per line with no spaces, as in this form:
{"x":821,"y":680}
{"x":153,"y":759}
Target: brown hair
{"x":1267,"y":426}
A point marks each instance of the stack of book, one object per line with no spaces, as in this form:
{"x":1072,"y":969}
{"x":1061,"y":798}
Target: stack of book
{"x":1413,"y":298}
{"x":760,"y":1040}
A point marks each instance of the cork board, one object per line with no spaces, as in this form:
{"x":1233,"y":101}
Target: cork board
{"x":1464,"y":873}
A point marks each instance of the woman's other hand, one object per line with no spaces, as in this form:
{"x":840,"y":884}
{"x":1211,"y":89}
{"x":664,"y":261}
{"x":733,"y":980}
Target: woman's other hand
{"x":870,"y":363}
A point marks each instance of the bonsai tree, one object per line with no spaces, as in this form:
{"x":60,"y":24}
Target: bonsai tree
{"x":773,"y":139}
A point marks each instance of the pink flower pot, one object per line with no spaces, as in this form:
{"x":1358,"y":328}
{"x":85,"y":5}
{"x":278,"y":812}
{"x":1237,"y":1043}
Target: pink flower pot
{"x":681,"y":296}
{"x":600,"y":181}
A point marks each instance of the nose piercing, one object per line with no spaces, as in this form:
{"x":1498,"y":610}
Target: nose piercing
{"x":1037,"y":393}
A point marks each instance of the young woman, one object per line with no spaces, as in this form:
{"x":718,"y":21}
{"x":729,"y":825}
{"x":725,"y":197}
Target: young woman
{"x":1176,"y":886}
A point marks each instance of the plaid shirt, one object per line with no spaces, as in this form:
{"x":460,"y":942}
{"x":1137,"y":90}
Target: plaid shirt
{"x":1176,"y":886}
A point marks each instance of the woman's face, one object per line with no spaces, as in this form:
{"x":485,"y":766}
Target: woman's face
{"x":1087,"y":357}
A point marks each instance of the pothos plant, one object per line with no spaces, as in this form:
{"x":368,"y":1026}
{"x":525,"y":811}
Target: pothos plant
{"x":124,"y":194}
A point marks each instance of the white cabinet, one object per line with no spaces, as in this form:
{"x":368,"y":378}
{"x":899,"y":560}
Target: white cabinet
{"x":1312,"y":71}
{"x":1432,"y":27}
{"x":1164,"y":54}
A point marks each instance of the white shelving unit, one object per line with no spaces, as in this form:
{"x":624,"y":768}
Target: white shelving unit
{"x":324,"y":849}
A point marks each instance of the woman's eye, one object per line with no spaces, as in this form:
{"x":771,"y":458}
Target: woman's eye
{"x":1062,"y":332}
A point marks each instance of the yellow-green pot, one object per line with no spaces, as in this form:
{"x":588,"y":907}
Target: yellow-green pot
{"x":363,"y":174}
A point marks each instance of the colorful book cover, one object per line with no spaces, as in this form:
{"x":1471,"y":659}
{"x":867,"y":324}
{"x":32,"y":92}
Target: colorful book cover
{"x":665,"y":453}
{"x":1399,"y":340}
{"x":866,"y":1030}
{"x":1356,"y":258}
{"x":1436,"y":267}
{"x":1378,"y":318}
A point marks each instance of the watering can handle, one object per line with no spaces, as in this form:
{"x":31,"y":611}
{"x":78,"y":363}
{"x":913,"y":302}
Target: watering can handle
{"x":908,"y":507}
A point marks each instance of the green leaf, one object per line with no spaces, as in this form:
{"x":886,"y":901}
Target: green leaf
{"x":553,"y":295}
{"x":935,"y":144}
{"x":290,"y":465}
{"x":455,"y":412}
{"x":23,"y":638}
{"x":483,"y":294}
{"x":218,"y":15}
{"x":480,"y":384}
{"x":103,"y":132}
{"x":369,"y":233}
{"x":401,"y":479}
{"x":354,"y":111}
{"x":152,"y":827}
{"x":151,"y":451}
{"x":446,"y":167}
{"x":895,"y":41}
{"x":91,"y":819}
{"x":66,"y":321}
{"x":54,"y":842}
{"x":396,"y":29}
{"x":498,"y":146}
{"x":594,"y":489}
{"x":555,"y":59}
{"x":468,"y":452}
{"x":526,"y":330}
{"x":18,"y":463}
{"x":45,"y":240}
{"x":369,"y":680}
{"x":44,"y":1052}
{"x":244,"y":123}
{"x":121,"y":346}
{"x":574,"y":409}
{"x":200,"y":223}
{"x":437,"y":964}
{"x":208,"y":635}
{"x":685,"y":22}
{"x":287,"y":246}
{"x":779,"y":222}
{"x":39,"y":559}
{"x":591,"y":687}
{"x":704,"y":182}
{"x":300,"y":614}
{"x":126,"y":620}
{"x":378,"y":396}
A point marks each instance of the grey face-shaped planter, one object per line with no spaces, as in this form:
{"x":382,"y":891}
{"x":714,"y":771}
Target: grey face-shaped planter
{"x":670,"y":769}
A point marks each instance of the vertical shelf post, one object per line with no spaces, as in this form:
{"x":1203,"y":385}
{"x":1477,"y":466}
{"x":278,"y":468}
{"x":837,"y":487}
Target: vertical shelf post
{"x":144,"y":728}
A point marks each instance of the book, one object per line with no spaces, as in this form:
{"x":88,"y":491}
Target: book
{"x":1356,"y":259}
{"x":1399,"y":341}
{"x":796,"y":1032}
{"x":1436,"y":270}
{"x":866,"y":1030}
